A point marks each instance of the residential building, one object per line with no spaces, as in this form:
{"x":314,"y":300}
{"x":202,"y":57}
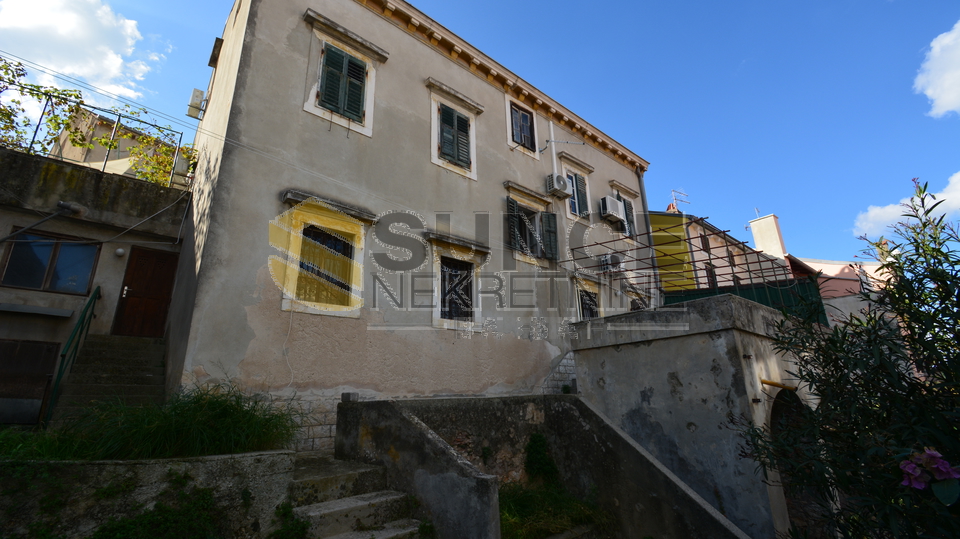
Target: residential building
{"x":104,"y":260}
{"x":840,"y":282}
{"x":382,"y":208}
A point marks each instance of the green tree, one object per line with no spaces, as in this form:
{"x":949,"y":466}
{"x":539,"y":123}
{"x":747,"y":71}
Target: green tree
{"x":872,"y":455}
{"x":61,"y":108}
{"x":64,"y":111}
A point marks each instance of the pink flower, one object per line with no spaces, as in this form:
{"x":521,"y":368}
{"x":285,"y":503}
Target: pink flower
{"x":913,"y":476}
{"x":942,"y":470}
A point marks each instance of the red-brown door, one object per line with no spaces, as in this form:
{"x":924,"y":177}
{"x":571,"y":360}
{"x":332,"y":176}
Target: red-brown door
{"x":145,"y":297}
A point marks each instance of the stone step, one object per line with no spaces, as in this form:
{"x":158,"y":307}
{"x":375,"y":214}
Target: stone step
{"x":120,"y":341}
{"x":132,"y":400}
{"x":71,"y":389}
{"x":407,"y":528}
{"x":318,"y":478}
{"x":101,"y":378}
{"x":361,"y":512}
{"x":585,"y":531}
{"x":95,"y":368}
{"x":128,"y":360}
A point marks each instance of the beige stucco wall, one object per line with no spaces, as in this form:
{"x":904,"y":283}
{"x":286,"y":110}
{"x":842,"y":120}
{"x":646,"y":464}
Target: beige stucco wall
{"x":239,"y":331}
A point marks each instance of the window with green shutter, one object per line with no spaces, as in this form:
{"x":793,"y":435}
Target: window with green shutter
{"x":578,"y":202}
{"x":628,"y":227}
{"x":454,"y":142}
{"x":522,"y":124}
{"x":342,"y":81}
{"x":530,"y":232}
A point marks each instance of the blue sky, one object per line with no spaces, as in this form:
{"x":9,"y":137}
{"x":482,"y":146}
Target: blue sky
{"x":803,"y":109}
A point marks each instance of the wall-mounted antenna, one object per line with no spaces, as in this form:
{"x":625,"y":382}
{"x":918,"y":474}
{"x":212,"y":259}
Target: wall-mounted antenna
{"x":559,"y":142}
{"x":757,"y":210}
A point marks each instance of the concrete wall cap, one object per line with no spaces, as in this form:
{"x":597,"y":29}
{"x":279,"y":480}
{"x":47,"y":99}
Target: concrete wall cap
{"x":296,"y":196}
{"x":464,"y":101}
{"x":328,"y":26}
{"x":564,"y":156}
{"x":539,"y":197}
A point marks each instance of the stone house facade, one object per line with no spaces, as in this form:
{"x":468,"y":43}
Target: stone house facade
{"x":381,"y":208}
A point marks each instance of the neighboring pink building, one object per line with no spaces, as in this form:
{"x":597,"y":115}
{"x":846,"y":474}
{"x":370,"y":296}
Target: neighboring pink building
{"x":840,"y":282}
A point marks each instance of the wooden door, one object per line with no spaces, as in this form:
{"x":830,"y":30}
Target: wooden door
{"x":145,"y":296}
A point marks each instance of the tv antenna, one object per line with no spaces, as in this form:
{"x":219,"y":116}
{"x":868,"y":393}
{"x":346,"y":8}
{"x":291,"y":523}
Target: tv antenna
{"x":679,"y":196}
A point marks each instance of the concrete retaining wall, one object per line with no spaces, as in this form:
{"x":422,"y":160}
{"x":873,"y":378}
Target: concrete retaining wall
{"x":462,"y":502}
{"x":72,"y":499}
{"x":674,"y":380}
{"x":596,"y":460}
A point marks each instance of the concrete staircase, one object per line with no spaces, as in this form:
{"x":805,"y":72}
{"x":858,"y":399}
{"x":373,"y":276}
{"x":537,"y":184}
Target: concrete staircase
{"x":113,"y":367}
{"x":349,"y":500}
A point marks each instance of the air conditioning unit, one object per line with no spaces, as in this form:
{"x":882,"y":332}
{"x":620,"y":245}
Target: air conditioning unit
{"x":611,"y":262}
{"x":559,"y":186}
{"x":611,"y":209}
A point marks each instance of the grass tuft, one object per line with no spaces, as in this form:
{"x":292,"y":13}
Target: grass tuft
{"x":206,"y":420}
{"x":528,"y":512}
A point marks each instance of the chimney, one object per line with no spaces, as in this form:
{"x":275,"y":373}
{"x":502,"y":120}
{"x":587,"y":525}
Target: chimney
{"x":767,"y":236}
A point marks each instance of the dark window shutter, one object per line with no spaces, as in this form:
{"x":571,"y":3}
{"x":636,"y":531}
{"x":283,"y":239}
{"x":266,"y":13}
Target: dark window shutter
{"x":583,"y":206}
{"x":513,"y":224}
{"x":463,"y":140}
{"x":631,"y":227}
{"x":356,"y":80}
{"x":448,"y":142}
{"x":517,"y":130}
{"x":331,"y":78}
{"x":526,"y":129}
{"x":548,"y":232}
{"x":342,"y":82}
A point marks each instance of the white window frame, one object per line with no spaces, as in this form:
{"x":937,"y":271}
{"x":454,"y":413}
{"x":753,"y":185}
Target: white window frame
{"x":435,"y":101}
{"x":508,"y":102}
{"x":316,"y":63}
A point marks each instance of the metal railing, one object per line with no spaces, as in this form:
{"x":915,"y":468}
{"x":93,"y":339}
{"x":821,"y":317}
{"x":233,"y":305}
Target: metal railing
{"x":120,"y":126}
{"x":70,"y":350}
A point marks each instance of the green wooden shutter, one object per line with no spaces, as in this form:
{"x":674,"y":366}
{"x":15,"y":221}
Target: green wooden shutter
{"x":342,"y":82}
{"x":548,"y":233}
{"x":631,"y":227}
{"x":331,"y":78}
{"x":463,"y":140}
{"x":355,"y":82}
{"x":513,"y":224}
{"x":583,"y":205}
{"x":448,"y":138}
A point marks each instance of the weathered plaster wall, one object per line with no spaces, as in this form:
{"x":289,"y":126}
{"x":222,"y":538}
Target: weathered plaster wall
{"x":596,"y":460}
{"x":113,"y":205}
{"x":675,"y":379}
{"x":239,"y":331}
{"x":72,"y":499}
{"x":460,"y":500}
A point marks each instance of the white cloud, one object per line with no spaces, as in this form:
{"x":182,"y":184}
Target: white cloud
{"x":81,"y":38}
{"x":876,"y":220}
{"x":939,"y":76}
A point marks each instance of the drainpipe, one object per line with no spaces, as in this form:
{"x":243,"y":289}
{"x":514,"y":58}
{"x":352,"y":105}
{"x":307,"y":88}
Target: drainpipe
{"x":65,"y":208}
{"x":646,"y":219}
{"x":553,"y":151}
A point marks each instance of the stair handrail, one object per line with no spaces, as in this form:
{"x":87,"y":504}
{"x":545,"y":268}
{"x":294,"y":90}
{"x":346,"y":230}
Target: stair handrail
{"x":72,"y":347}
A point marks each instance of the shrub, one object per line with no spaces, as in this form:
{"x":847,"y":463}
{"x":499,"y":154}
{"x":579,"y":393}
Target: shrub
{"x":206,"y":420}
{"x":872,"y":457}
